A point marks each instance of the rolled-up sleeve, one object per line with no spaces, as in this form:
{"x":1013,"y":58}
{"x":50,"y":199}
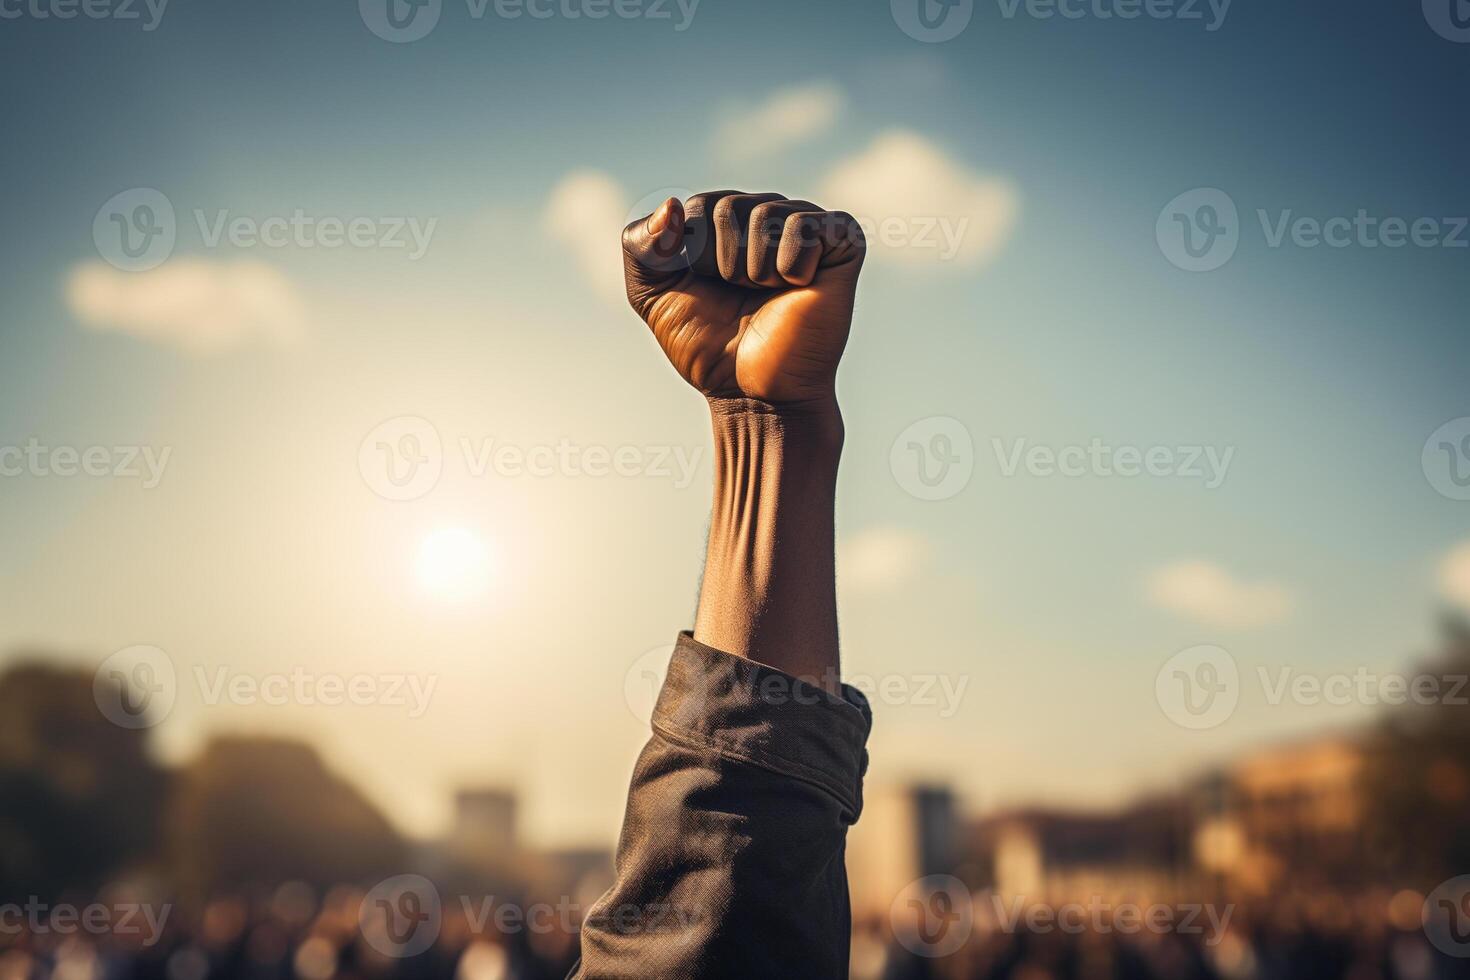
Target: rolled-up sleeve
{"x":730,"y":862}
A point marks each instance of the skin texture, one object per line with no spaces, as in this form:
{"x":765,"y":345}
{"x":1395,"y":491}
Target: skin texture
{"x":751,"y":298}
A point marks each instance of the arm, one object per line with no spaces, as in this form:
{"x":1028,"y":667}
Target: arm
{"x":731,"y":858}
{"x":769,"y":590}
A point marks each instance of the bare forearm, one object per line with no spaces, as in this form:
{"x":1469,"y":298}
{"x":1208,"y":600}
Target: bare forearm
{"x":769,"y":591}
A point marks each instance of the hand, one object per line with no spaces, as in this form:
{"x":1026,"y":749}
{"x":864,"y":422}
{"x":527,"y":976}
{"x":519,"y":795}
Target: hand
{"x":750,"y":295}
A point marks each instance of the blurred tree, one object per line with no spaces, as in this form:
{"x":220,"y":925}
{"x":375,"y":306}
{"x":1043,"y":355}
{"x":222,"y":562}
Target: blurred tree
{"x":80,"y":798}
{"x":1418,"y":779}
{"x":255,"y":812}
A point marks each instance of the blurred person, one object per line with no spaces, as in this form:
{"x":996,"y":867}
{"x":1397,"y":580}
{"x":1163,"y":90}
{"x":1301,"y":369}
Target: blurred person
{"x":731,"y":859}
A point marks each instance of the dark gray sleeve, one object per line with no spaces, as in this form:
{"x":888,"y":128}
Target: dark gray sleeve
{"x":731,"y":857}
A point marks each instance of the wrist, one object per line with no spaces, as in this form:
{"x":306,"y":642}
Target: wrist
{"x":774,"y":430}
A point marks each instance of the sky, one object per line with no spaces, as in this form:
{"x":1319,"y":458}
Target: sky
{"x":263,"y":257}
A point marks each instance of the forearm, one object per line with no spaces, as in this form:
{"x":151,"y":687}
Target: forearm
{"x":769,"y":589}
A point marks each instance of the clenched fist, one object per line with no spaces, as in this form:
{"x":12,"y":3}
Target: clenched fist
{"x":750,"y":295}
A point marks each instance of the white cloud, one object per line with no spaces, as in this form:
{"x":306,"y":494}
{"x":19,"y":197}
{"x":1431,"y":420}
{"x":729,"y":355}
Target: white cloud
{"x":1454,"y":575}
{"x":920,"y":207}
{"x":198,"y":305}
{"x":881,"y":559}
{"x":787,"y":117}
{"x":1210,"y":595}
{"x":585,"y":215}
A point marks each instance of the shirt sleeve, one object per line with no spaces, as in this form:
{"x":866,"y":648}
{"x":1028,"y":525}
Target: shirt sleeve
{"x":730,"y":862}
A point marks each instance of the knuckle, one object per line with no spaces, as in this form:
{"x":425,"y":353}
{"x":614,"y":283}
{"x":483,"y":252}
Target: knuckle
{"x":766,"y":221}
{"x":631,"y":233}
{"x":725,"y":208}
{"x":848,"y":229}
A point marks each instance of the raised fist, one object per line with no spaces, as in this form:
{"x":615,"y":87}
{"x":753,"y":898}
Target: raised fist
{"x":750,"y":295}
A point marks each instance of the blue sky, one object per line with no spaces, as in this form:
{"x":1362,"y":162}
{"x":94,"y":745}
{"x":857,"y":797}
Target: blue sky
{"x":1049,"y":146}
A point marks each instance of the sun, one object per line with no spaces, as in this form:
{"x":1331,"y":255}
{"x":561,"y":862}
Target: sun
{"x":454,"y":565}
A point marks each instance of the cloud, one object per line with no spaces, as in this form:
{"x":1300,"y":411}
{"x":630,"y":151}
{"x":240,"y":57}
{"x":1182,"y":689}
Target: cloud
{"x":1210,"y":595}
{"x":881,"y":559}
{"x":585,"y":214}
{"x":1454,"y":575}
{"x":787,"y":117}
{"x":919,"y":207}
{"x":198,"y":305}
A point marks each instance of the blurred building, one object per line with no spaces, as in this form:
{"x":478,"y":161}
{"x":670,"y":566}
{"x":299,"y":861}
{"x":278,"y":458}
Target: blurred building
{"x":1297,"y":809}
{"x":906,"y":833}
{"x":1060,"y":856}
{"x":484,"y":830}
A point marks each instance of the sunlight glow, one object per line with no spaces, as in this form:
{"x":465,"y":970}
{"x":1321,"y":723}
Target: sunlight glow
{"x":454,"y":565}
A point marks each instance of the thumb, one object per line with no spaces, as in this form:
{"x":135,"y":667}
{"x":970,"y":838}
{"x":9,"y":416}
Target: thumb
{"x":653,"y":250}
